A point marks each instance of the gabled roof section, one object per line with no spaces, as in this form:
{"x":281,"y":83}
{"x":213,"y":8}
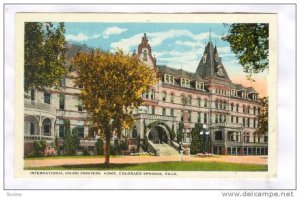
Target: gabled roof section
{"x":73,"y":48}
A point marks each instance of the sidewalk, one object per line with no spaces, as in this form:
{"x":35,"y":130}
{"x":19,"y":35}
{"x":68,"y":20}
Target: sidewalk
{"x":143,"y":159}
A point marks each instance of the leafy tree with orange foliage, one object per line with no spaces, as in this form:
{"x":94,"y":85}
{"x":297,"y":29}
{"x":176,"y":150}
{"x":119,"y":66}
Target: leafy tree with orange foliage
{"x":112,"y":87}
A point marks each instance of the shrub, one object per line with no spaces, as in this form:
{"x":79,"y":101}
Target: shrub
{"x":50,"y":151}
{"x":39,"y":148}
{"x":99,"y":146}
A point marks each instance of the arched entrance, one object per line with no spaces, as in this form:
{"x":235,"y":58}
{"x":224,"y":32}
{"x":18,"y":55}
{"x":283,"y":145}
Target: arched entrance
{"x":158,"y":135}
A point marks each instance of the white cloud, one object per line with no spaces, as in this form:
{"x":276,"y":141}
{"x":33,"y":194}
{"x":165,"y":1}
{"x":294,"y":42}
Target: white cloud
{"x":112,"y":31}
{"x":125,"y":44}
{"x":81,"y":37}
{"x":188,"y":59}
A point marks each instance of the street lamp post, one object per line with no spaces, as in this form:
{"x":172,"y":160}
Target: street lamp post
{"x":204,"y":133}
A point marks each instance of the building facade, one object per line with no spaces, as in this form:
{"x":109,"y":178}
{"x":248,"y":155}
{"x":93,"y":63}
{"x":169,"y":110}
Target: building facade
{"x":178,"y":101}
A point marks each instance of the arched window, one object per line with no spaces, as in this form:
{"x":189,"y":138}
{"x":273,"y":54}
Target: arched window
{"x":248,"y":109}
{"x":182,"y":99}
{"x":199,"y":102}
{"x":237,"y":107}
{"x":244,"y":109}
{"x":254,"y":110}
{"x":217,"y":104}
{"x":172,"y":97}
{"x":164,"y":96}
{"x":205,"y":102}
{"x":232,"y":106}
{"x":189,"y":100}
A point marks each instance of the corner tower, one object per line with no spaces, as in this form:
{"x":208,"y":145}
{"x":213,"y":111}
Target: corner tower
{"x":144,"y":52}
{"x":211,"y":64}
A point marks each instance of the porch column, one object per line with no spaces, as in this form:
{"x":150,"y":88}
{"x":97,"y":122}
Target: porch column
{"x":40,"y":126}
{"x":52,"y":127}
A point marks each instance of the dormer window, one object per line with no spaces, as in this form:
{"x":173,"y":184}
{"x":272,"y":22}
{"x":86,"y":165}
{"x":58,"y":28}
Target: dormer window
{"x":233,"y":92}
{"x":199,"y":85}
{"x":185,"y":82}
{"x":169,"y":79}
{"x":244,"y":94}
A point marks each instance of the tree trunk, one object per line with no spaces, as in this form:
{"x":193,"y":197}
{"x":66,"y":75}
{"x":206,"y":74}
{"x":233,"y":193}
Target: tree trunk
{"x":107,"y":149}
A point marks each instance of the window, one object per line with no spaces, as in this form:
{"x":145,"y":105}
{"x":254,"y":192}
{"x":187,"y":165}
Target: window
{"x":246,"y":137}
{"x":185,"y":82}
{"x":199,"y":85}
{"x":236,"y":119}
{"x":254,"y":123}
{"x":164,"y":96}
{"x":153,"y":110}
{"x":182,"y":99}
{"x":169,"y":79}
{"x":31,"y":128}
{"x":202,"y":86}
{"x":163,"y":111}
{"x":61,"y":131}
{"x":62,"y":101}
{"x":172,"y":98}
{"x":205,"y":118}
{"x":205,"y":103}
{"x":233,"y":136}
{"x":199,"y":117}
{"x":248,"y":109}
{"x":220,"y":118}
{"x":258,"y":111}
{"x":237,"y":107}
{"x":182,"y":115}
{"x":199,"y":102}
{"x":244,"y":122}
{"x":216,"y":118}
{"x":149,"y":94}
{"x":218,"y":135}
{"x":189,"y":100}
{"x":248,"y":122}
{"x":189,"y":116}
{"x":244,"y":109}
{"x":231,"y":106}
{"x":217,"y":104}
{"x":32,"y":94}
{"x":80,"y":130}
{"x":232,"y":119}
{"x":145,"y":55}
{"x":265,"y":138}
{"x":47,"y":98}
{"x":79,"y":104}
{"x":254,"y":110}
{"x":172,"y":112}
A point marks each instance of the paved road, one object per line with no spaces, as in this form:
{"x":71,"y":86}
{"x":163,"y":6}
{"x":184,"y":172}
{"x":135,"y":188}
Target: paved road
{"x":142,"y":159}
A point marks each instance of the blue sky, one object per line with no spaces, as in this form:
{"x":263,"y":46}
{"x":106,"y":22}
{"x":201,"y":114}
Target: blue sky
{"x":174,"y":44}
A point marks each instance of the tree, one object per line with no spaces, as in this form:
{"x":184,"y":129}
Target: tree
{"x":180,"y":132}
{"x":195,"y":144}
{"x":71,"y":139}
{"x":250,"y":43}
{"x":44,"y":55}
{"x":263,"y":117}
{"x":112,"y":87}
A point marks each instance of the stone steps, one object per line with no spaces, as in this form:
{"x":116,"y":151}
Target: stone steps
{"x":165,"y":149}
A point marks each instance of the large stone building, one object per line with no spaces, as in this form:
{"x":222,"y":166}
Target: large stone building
{"x":179,"y":99}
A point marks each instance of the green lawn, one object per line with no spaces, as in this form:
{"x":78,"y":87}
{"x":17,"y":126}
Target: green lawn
{"x":163,"y":166}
